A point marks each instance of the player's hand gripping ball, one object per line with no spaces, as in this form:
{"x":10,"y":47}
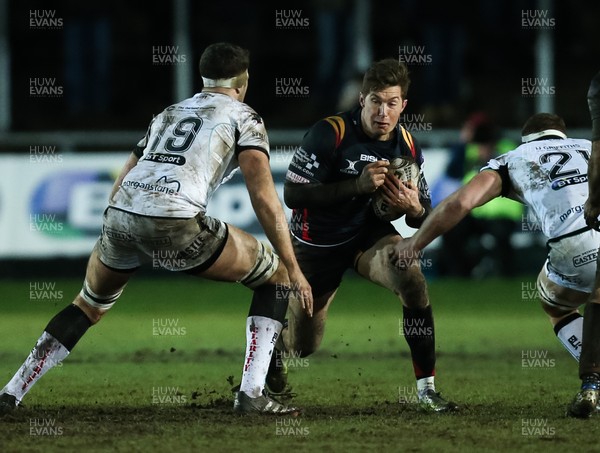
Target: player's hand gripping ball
{"x":406,"y":170}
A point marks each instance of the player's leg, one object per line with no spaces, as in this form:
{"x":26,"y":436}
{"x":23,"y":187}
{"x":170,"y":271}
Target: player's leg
{"x":570,"y":266}
{"x":588,"y":398}
{"x":418,"y":327}
{"x":101,"y":288}
{"x":304,"y":334}
{"x":243,"y":259}
{"x":560,"y":304}
{"x":324,"y":268}
{"x":300,"y":337}
{"x":565,"y":282}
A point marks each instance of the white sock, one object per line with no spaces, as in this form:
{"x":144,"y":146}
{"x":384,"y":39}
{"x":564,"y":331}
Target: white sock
{"x":570,"y":336}
{"x":426,"y":383}
{"x":261,"y":336}
{"x":47,"y":353}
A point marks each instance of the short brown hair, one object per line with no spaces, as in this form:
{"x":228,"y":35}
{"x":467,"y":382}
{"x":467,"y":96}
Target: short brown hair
{"x":223,"y":60}
{"x":542,"y":121}
{"x":386,"y":73}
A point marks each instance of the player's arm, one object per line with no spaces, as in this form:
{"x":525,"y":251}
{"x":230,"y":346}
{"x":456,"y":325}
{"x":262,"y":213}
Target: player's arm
{"x":132,"y":161}
{"x":484,"y":187}
{"x":592,"y":205}
{"x":307,"y":183}
{"x":321,"y":195}
{"x":255,"y":167}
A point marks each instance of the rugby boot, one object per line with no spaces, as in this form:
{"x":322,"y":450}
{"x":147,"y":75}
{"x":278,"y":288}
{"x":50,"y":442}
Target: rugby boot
{"x":264,"y":404}
{"x":587,"y":399}
{"x":8,"y":403}
{"x":432,"y":401}
{"x":277,"y":375}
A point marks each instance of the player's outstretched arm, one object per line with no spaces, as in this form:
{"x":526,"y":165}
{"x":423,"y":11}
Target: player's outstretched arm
{"x":265,"y":201}
{"x":131,"y":162}
{"x":484,"y":187}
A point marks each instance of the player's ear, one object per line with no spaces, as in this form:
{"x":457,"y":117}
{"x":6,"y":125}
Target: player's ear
{"x":241,"y":92}
{"x":361,"y":100}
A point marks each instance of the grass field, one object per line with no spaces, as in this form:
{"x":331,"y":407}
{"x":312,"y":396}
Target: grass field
{"x":125,"y":388}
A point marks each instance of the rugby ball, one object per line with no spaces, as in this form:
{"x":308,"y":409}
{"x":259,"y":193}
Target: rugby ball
{"x":406,"y":170}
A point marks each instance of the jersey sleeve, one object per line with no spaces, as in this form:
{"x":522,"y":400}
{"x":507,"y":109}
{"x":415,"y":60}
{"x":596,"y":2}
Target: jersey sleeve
{"x":500,"y":166}
{"x":141,"y":145}
{"x":251,"y":134}
{"x":312,"y":162}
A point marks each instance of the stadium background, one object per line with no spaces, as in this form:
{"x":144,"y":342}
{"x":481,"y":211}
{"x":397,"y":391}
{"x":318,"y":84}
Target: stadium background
{"x":78,"y":85}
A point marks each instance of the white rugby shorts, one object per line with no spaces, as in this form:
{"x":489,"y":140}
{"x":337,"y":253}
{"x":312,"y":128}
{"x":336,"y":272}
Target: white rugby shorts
{"x":129,"y":239}
{"x":572,"y":260}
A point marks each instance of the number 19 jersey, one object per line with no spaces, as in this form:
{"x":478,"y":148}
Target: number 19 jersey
{"x":549,"y":176}
{"x":190,"y":149}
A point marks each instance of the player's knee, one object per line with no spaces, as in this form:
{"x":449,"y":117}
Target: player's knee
{"x":265,"y":267}
{"x":411,"y":285}
{"x":556,"y":312}
{"x":95,"y":305}
{"x":558,"y":301}
{"x":304,"y":347}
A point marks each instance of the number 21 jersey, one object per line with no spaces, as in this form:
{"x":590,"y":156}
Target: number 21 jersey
{"x":549,"y":176}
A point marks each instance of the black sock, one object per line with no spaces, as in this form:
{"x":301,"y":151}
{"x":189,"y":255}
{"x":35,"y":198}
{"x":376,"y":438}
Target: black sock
{"x":270,"y":301}
{"x":589,"y":361}
{"x":419,"y":334}
{"x":68,"y":326}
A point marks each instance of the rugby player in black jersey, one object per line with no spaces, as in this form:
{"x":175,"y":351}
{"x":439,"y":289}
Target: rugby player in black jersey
{"x":587,"y":400}
{"x":330,"y":185}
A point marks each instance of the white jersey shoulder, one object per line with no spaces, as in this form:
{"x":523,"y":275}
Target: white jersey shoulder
{"x":550,"y":177}
{"x":190,"y":149}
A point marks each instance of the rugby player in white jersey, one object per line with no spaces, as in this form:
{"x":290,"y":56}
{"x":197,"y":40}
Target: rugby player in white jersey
{"x":158,"y":206}
{"x":548,"y":173}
